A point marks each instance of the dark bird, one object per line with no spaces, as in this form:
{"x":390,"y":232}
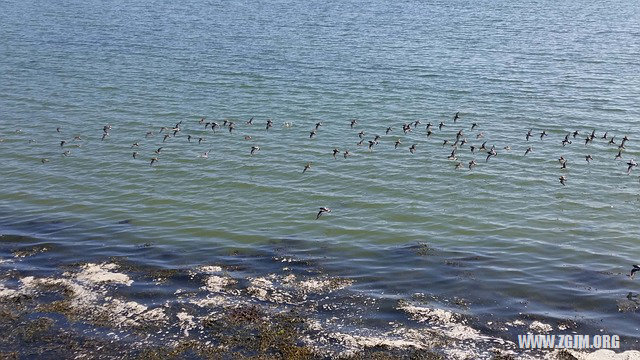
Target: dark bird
{"x":376,"y":138}
{"x":250,"y":121}
{"x":416,"y":123}
{"x":398,"y":142}
{"x":153,"y":160}
{"x":472,"y":163}
{"x":543,"y":134}
{"x":200,"y":140}
{"x":624,"y":140}
{"x":562,"y":159}
{"x":360,"y":142}
{"x":166,"y":136}
{"x":104,"y":135}
{"x":353,"y":123}
{"x":612,"y":140}
{"x":480,"y":135}
{"x":563,"y":180}
{"x":254,"y":149}
{"x":473,"y":149}
{"x":269,"y":124}
{"x":441,"y":125}
{"x":456,"y":117}
{"x":458,"y":166}
{"x":189,"y":138}
{"x":62,"y":143}
{"x":346,"y":153}
{"x":135,"y":144}
{"x":605,"y":135}
{"x":335,"y":152}
{"x":563,"y":165}
{"x":247,"y":137}
{"x":412,"y":149}
{"x":306,"y":167}
{"x":231,"y":127}
{"x":529,"y":149}
{"x":587,"y":140}
{"x":361,"y":134}
{"x":66,"y":153}
{"x":619,"y":156}
{"x":322,"y":211}
{"x":318,"y":124}
{"x":482,"y":147}
{"x":429,"y":132}
{"x":312,"y":133}
{"x":453,"y":155}
{"x":445,"y":142}
{"x":529,"y":134}
{"x":371,"y":143}
{"x":576,"y":133}
{"x":429,"y":125}
{"x":473,"y":126}
{"x":135,"y":155}
{"x":634,"y":269}
{"x":58,"y":129}
{"x":588,"y":158}
{"x":389,"y":129}
{"x":158,"y":151}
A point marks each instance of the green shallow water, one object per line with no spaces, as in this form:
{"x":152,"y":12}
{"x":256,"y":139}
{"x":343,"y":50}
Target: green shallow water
{"x":527,"y":243}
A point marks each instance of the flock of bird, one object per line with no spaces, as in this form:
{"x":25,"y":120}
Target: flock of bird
{"x":457,"y":145}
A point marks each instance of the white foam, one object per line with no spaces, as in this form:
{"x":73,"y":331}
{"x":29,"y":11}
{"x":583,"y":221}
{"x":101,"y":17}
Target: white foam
{"x":540,"y":327}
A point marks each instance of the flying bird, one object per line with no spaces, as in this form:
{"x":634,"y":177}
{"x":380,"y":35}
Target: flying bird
{"x":322,"y":211}
{"x":563,"y":180}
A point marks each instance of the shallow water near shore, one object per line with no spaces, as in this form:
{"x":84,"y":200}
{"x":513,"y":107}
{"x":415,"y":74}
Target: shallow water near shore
{"x":414,"y":255}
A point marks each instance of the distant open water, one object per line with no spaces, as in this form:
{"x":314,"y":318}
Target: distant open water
{"x":507,"y":237}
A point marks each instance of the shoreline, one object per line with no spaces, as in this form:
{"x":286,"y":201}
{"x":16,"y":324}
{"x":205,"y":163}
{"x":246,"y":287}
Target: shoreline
{"x":124,"y":308}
